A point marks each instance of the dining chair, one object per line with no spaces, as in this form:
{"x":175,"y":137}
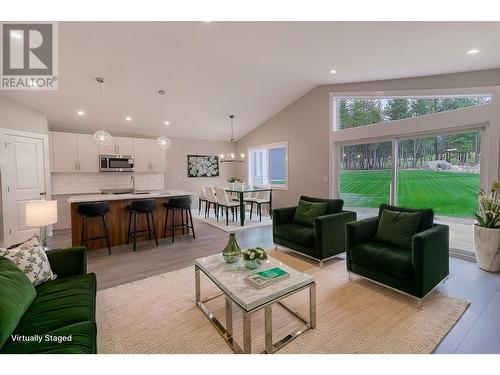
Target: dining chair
{"x":261,"y":198}
{"x":224,"y":202}
{"x":211,"y":200}
{"x":202,"y":198}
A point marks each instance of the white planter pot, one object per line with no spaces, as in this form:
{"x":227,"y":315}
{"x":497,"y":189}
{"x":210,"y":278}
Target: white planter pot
{"x":487,"y":247}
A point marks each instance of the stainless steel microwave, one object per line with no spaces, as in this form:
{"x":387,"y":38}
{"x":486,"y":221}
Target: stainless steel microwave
{"x":116,"y":163}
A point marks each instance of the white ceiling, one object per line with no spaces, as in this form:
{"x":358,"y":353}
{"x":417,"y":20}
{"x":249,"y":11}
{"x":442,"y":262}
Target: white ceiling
{"x":251,"y":69}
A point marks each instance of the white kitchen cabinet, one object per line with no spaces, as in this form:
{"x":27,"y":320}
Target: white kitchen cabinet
{"x":65,"y":152}
{"x":125,"y":146}
{"x":142,"y":154}
{"x":88,"y":153}
{"x":74,"y":153}
{"x":148,"y":156}
{"x":118,"y":146}
{"x":158,"y":157}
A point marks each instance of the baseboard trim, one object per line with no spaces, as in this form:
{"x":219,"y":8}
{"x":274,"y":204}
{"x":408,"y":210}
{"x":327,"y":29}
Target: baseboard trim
{"x":462,"y":254}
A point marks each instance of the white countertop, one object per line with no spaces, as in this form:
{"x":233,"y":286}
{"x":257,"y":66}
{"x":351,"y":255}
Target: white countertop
{"x":117,"y":197}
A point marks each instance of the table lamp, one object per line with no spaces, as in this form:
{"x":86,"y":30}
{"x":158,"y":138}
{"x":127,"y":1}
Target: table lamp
{"x":41,"y":213}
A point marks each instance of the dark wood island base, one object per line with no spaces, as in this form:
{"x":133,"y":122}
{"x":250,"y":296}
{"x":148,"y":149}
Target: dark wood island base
{"x":117,"y":219}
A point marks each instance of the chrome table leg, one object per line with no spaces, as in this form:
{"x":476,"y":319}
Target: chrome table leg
{"x":268,"y":323}
{"x":247,"y":333}
{"x":312,"y":305}
{"x":197,"y":284}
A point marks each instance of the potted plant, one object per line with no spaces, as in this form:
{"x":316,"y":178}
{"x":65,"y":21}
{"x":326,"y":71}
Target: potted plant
{"x":487,"y":230}
{"x":254,"y":257}
{"x":233,"y":181}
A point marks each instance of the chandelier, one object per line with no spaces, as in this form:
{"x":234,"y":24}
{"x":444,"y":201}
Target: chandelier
{"x":101,"y":137}
{"x":232,"y":155}
{"x":163,"y":142}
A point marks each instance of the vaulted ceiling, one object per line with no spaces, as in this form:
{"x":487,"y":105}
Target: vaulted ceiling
{"x":251,"y":69}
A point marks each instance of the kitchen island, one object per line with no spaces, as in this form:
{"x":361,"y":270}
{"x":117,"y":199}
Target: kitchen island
{"x":118,"y":216}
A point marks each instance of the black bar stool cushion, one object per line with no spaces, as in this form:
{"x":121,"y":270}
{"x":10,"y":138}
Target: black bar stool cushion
{"x":180,"y":203}
{"x":143,"y":206}
{"x":93,"y":209}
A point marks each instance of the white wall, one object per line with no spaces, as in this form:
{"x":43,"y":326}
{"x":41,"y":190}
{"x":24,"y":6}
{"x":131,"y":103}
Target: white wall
{"x":176,"y":176}
{"x":305,"y":124}
{"x":17,"y":116}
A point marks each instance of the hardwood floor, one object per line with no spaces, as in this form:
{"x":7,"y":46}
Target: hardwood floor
{"x":478,"y":331}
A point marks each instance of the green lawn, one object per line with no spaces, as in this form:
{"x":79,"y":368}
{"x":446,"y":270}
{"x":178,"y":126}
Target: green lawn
{"x":448,"y":193}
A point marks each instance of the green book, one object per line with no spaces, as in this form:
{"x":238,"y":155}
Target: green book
{"x":264,"y":278}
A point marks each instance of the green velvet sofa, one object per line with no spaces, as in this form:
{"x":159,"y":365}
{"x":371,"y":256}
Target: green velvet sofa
{"x":61,"y":317}
{"x":416,"y":270}
{"x":320,"y":241}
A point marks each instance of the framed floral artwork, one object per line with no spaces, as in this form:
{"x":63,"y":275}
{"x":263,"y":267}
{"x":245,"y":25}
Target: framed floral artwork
{"x":203,"y":166}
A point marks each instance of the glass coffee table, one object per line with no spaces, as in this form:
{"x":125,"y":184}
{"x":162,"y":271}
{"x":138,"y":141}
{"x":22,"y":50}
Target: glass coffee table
{"x":229,"y":278}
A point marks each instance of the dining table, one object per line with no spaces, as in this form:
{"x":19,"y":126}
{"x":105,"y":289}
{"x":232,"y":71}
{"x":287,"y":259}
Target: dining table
{"x":240,"y":190}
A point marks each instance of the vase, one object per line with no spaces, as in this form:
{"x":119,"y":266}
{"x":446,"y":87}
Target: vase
{"x":487,"y":247}
{"x":252,"y":263}
{"x":232,"y":251}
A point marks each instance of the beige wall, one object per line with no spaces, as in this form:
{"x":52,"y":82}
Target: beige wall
{"x":305,"y":125}
{"x":17,"y":116}
{"x":176,"y":176}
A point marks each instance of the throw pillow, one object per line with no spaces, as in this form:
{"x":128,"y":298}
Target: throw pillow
{"x":307,"y":211}
{"x":31,"y":259}
{"x":16,"y":295}
{"x":397,"y":228}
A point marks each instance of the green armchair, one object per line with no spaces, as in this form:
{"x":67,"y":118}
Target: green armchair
{"x":320,"y":240}
{"x":415,"y":270}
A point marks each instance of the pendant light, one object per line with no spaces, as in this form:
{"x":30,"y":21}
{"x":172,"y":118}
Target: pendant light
{"x":163,"y":142}
{"x":232,"y":155}
{"x":101,"y":137}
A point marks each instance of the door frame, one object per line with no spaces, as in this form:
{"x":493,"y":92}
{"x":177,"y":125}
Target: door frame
{"x":46,"y":163}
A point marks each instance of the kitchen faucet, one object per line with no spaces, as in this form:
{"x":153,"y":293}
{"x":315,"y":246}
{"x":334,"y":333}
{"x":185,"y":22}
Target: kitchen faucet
{"x":132,"y":178}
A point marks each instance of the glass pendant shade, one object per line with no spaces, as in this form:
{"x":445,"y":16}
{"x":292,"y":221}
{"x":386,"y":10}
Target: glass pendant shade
{"x":163,"y":142}
{"x":103,"y":138}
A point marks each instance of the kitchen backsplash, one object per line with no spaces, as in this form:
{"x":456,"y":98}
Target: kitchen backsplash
{"x":72,"y":183}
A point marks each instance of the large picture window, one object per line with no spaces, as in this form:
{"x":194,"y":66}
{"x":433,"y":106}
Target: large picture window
{"x":268,"y":165}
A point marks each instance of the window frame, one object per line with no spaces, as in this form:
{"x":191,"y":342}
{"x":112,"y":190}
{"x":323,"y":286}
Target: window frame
{"x":267,"y":147}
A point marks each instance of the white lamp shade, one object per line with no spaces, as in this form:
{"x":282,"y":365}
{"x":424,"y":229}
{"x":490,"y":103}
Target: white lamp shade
{"x":41,"y":213}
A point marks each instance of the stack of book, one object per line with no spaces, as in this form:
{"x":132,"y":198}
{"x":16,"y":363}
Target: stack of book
{"x":264,"y":278}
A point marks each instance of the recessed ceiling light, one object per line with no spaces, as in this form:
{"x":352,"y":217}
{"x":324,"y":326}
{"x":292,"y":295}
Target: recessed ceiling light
{"x":128,"y":118}
{"x":80,"y":113}
{"x":473,"y":51}
{"x":333,"y":71}
{"x":167,"y":123}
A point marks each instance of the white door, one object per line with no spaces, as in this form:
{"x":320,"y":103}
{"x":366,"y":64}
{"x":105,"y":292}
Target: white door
{"x":23,"y":180}
{"x":142,"y":155}
{"x":88,"y":153}
{"x":109,"y":149}
{"x":158,"y":157}
{"x":125,"y":145}
{"x":65,"y":152}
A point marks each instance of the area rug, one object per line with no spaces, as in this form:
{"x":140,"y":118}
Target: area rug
{"x":234,"y":226}
{"x":158,"y":315}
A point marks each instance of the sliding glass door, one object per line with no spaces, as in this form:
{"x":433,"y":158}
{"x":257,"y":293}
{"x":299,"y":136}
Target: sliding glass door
{"x":441,"y":172}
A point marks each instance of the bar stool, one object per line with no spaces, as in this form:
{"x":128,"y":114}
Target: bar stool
{"x":141,"y":207}
{"x":182,"y":205}
{"x":94,"y":210}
